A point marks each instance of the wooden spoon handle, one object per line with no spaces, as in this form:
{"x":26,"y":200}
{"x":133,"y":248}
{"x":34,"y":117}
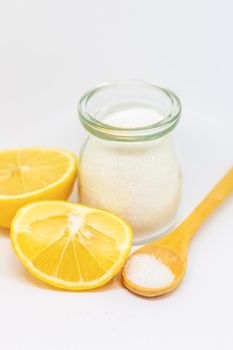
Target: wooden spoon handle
{"x":181,"y":236}
{"x":213,"y":199}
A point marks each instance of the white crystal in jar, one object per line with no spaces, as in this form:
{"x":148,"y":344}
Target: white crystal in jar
{"x":139,"y":181}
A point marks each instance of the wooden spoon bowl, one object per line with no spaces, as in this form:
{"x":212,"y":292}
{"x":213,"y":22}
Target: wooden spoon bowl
{"x":169,"y":257}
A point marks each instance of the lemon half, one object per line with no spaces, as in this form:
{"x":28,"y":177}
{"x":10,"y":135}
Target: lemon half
{"x":33,"y":174}
{"x":69,"y":245}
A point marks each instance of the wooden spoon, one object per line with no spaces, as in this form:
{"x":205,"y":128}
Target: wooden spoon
{"x":172,"y":248}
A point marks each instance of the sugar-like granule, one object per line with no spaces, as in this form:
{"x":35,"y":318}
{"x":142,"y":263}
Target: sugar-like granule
{"x":148,"y":271}
{"x":139,"y":181}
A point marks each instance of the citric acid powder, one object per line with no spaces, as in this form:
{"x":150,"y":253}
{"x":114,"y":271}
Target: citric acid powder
{"x":139,"y":181}
{"x":147,"y":271}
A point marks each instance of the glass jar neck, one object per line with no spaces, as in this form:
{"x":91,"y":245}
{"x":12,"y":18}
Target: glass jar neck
{"x":155,"y":111}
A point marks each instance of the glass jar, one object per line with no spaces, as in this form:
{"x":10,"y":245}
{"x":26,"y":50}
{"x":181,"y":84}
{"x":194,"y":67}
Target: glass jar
{"x":128,"y":163}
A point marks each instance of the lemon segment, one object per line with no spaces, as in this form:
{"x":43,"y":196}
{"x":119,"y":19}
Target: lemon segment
{"x":69,"y":245}
{"x":33,"y":174}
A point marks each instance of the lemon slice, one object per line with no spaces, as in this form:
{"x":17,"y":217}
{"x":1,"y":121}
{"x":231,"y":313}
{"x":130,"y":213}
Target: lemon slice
{"x":70,"y":246}
{"x":33,"y":174}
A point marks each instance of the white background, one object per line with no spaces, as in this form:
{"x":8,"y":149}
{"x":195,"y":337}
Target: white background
{"x":50,"y":53}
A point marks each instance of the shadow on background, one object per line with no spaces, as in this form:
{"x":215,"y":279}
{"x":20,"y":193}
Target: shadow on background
{"x":4,"y":232}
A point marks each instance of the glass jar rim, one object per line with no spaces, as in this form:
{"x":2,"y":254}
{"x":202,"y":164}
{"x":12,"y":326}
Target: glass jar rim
{"x":142,"y":133}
